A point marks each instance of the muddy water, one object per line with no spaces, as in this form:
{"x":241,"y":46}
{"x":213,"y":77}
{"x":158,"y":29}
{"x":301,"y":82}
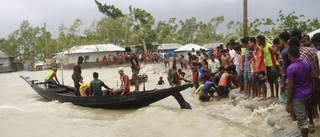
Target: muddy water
{"x":24,"y":113}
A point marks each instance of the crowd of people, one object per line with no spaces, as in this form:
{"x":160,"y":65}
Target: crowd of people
{"x":117,"y":58}
{"x":252,"y":61}
{"x":290,"y":65}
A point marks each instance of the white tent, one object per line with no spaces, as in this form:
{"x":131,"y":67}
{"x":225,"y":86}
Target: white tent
{"x":313,"y":32}
{"x":94,"y":48}
{"x":89,"y":52}
{"x":188,"y":48}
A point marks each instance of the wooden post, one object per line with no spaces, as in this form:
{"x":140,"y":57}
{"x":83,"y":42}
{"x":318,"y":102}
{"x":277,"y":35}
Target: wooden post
{"x":45,"y":39}
{"x":192,"y":32}
{"x":245,"y":18}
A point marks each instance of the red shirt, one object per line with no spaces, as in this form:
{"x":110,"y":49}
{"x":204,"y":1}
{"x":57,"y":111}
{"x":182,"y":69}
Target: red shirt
{"x":123,"y":79}
{"x":215,"y":55}
{"x":195,"y":77}
{"x":218,"y":55}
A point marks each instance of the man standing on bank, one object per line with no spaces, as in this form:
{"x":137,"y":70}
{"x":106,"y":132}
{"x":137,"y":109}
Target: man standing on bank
{"x":76,"y":76}
{"x":135,"y":68}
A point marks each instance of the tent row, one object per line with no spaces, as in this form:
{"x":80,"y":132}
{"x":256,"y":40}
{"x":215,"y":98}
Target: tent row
{"x":90,"y":52}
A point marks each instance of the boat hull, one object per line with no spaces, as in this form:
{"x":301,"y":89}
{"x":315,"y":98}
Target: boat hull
{"x":131,"y":100}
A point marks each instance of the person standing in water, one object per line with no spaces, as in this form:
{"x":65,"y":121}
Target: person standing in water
{"x":166,"y":59}
{"x":76,"y":76}
{"x":135,"y":68}
{"x":174,"y":81}
{"x":160,"y":82}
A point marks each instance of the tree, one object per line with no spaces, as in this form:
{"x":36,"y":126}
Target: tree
{"x":143,"y":20}
{"x":11,"y":46}
{"x":208,"y":32}
{"x":69,"y":37}
{"x":24,"y":41}
{"x":187,"y":31}
{"x":166,"y":30}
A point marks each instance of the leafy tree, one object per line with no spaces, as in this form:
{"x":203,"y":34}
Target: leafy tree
{"x":24,"y":41}
{"x":166,"y":31}
{"x":143,"y":20}
{"x":69,"y":37}
{"x":187,"y":31}
{"x":208,"y":31}
{"x":11,"y":46}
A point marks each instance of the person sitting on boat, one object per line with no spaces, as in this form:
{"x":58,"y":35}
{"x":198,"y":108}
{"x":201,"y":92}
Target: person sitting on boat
{"x":160,"y":82}
{"x":49,"y":81}
{"x":125,"y":85}
{"x":96,"y":85}
{"x":85,"y":89}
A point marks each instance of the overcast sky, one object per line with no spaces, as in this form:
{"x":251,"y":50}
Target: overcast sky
{"x":53,"y":12}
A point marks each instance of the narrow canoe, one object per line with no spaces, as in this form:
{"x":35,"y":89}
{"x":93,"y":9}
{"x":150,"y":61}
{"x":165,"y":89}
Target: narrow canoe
{"x":131,"y":100}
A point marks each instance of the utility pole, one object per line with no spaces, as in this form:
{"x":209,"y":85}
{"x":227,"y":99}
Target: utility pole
{"x":245,"y":18}
{"x":192,"y":29}
{"x":45,"y":39}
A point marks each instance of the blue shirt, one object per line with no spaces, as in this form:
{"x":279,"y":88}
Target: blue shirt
{"x":201,"y":72}
{"x":166,"y":56}
{"x":246,"y":62}
{"x":208,"y":53}
{"x":206,"y":87}
{"x":285,"y":60}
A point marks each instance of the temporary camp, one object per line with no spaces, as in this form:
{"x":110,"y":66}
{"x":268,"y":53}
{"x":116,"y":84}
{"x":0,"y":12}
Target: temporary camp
{"x":170,"y":47}
{"x":187,"y":48}
{"x":313,"y":32}
{"x":213,"y":45}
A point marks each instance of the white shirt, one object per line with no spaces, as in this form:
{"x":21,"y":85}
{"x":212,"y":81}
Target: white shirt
{"x":214,"y":66}
{"x":237,"y":60}
{"x":201,"y":57}
{"x":232,"y":53}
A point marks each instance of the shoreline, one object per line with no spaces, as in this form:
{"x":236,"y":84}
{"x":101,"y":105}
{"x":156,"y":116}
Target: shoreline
{"x":279,"y":119}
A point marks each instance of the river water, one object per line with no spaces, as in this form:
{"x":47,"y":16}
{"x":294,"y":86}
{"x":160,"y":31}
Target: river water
{"x":24,"y":113}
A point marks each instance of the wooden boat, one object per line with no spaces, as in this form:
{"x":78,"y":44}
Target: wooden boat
{"x":141,"y":78}
{"x":131,"y":100}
